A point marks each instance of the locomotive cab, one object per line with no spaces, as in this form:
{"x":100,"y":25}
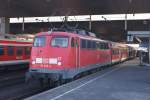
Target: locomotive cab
{"x":53,"y":55}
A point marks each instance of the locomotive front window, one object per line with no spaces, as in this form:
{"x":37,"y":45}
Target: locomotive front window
{"x":39,"y":41}
{"x":59,"y":42}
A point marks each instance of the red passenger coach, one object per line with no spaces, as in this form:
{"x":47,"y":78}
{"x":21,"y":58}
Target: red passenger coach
{"x":119,"y":52}
{"x":64,"y":55}
{"x":14,"y":52}
{"x":116,"y":53}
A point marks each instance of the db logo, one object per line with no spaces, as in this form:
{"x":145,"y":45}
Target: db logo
{"x":59,"y":58}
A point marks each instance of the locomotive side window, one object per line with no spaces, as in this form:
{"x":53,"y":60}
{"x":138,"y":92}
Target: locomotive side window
{"x":39,"y":41}
{"x":89,"y":44}
{"x":101,"y":45}
{"x":97,"y":45}
{"x":59,"y":42}
{"x":83,"y":43}
{"x":93,"y":45}
{"x":72,"y":42}
{"x":10,"y":50}
{"x":106,"y":46}
{"x":19,"y":51}
{"x":1,"y":50}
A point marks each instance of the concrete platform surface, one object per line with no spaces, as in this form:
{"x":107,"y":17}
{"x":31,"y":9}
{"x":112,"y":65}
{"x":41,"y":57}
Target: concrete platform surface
{"x":127,"y":81}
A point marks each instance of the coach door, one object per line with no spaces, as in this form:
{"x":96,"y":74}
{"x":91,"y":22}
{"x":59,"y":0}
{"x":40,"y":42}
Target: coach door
{"x":77,"y":47}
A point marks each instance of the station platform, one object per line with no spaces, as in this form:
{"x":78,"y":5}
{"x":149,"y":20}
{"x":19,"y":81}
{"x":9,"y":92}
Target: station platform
{"x":126,"y":81}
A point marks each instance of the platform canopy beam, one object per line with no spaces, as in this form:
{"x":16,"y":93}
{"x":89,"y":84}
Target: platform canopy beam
{"x":26,"y":8}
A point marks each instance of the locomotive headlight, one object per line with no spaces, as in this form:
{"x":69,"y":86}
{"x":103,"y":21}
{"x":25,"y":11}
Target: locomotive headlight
{"x":38,"y":60}
{"x":33,"y":62}
{"x":53,"y":61}
{"x":59,"y":63}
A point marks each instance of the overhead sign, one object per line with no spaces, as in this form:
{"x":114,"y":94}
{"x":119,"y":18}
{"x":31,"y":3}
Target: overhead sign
{"x":130,"y":38}
{"x":139,"y":33}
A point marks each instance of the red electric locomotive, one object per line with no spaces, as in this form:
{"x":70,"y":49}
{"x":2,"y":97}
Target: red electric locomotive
{"x":64,"y":55}
{"x":14,"y":51}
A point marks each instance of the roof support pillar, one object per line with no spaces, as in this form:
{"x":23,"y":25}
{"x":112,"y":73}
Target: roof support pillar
{"x":149,"y":50}
{"x":23,"y":26}
{"x":126,"y":23}
{"x":90,"y":23}
{"x":4,"y":25}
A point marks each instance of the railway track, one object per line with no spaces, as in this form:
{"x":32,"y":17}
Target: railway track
{"x":22,"y":90}
{"x":13,"y":86}
{"x":8,"y":78}
{"x":8,"y":81}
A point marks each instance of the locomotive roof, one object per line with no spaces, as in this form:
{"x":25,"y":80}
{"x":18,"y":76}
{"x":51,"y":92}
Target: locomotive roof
{"x":58,"y":33}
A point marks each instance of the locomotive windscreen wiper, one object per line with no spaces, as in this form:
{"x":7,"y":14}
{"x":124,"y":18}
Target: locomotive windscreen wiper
{"x":57,"y":46}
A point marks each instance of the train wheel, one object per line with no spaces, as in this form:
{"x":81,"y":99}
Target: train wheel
{"x":59,"y":82}
{"x":41,"y":80}
{"x":28,"y":77}
{"x":27,"y":80}
{"x":69,"y":80}
{"x":50,"y":83}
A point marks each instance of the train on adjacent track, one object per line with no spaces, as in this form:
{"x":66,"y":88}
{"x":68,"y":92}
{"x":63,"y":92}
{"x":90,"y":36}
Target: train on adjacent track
{"x":64,"y":54}
{"x":13,"y":51}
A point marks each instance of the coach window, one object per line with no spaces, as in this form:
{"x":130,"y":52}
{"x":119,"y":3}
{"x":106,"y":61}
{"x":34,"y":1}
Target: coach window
{"x":27,"y":50}
{"x":106,"y":46}
{"x":97,"y":45}
{"x":19,"y":51}
{"x":1,"y":50}
{"x":10,"y":50}
{"x":60,"y":42}
{"x":113,"y":51}
{"x":117,"y":51}
{"x":102,"y":46}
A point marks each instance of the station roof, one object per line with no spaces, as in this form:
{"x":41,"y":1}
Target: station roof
{"x":18,"y":8}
